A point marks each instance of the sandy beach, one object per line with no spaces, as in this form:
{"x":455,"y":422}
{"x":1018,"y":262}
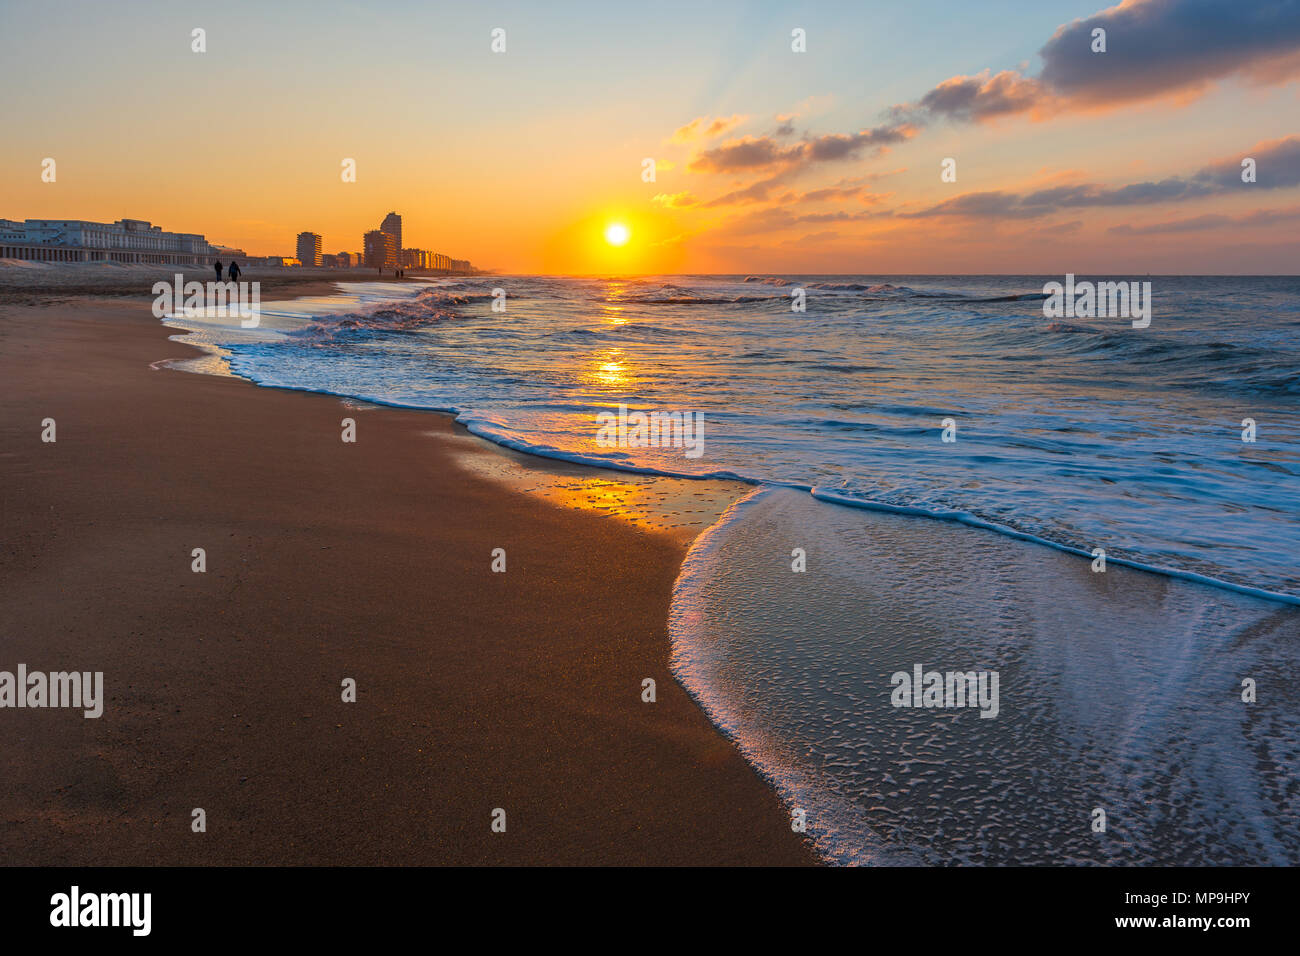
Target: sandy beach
{"x":325,"y":561}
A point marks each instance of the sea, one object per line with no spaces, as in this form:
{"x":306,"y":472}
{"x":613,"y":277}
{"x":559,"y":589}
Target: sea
{"x":1103,"y":513}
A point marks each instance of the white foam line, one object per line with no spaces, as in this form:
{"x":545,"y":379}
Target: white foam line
{"x":961,"y":517}
{"x":966,"y":518}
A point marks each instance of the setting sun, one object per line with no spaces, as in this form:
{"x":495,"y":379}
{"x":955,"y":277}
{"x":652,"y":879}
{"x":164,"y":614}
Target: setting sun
{"x":617,"y":234}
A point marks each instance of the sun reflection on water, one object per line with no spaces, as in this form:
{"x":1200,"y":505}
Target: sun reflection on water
{"x":609,"y":369}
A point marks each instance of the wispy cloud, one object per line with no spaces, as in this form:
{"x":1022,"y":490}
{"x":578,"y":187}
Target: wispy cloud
{"x":757,"y":191}
{"x":1278,"y":165}
{"x":749,"y":153}
{"x":702,"y":127}
{"x":682,"y":200}
{"x":1259,"y":217}
{"x":764,"y":152}
{"x":977,"y":98}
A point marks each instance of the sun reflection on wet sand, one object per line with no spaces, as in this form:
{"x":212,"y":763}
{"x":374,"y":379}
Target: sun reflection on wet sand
{"x":680,"y":507}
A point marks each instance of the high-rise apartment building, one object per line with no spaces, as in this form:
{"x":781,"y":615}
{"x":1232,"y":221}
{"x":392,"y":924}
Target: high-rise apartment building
{"x":309,"y":248}
{"x":380,"y":250}
{"x":392,"y":225}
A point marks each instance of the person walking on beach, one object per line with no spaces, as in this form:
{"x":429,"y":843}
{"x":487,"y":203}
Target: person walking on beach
{"x":233,"y":271}
{"x":217,"y":266}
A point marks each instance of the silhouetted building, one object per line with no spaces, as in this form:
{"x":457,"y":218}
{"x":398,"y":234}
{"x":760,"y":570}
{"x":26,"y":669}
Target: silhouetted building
{"x":392,"y":225}
{"x":309,"y":248}
{"x":380,"y":250}
{"x":417,"y":259}
{"x":127,"y":240}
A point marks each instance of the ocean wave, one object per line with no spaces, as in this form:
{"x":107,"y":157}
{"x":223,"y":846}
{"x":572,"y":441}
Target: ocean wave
{"x":396,"y":320}
{"x":699,"y":299}
{"x":870,"y":288}
{"x":856,"y":408}
{"x":1213,"y":366}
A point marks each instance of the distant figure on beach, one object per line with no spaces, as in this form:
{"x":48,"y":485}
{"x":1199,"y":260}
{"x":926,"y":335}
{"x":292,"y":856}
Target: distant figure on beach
{"x":217,"y":266}
{"x":233,"y":271}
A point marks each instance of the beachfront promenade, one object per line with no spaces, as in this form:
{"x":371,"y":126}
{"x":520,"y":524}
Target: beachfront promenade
{"x":127,"y":240}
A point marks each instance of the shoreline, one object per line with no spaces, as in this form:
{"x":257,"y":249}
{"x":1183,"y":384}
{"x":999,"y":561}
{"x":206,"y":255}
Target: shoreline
{"x":222,"y":688}
{"x":747,"y":481}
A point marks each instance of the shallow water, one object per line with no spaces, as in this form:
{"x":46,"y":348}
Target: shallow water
{"x":1118,"y":690}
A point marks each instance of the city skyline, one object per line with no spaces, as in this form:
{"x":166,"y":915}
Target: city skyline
{"x":140,"y":241}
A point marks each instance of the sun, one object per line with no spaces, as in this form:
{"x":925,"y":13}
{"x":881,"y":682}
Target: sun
{"x":617,"y":234}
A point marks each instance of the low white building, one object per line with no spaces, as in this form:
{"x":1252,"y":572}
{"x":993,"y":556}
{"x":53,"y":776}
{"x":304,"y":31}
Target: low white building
{"x":127,"y":240}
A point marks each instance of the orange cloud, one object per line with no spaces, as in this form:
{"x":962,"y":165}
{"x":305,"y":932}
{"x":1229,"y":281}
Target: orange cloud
{"x":704,"y":128}
{"x":682,"y":200}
